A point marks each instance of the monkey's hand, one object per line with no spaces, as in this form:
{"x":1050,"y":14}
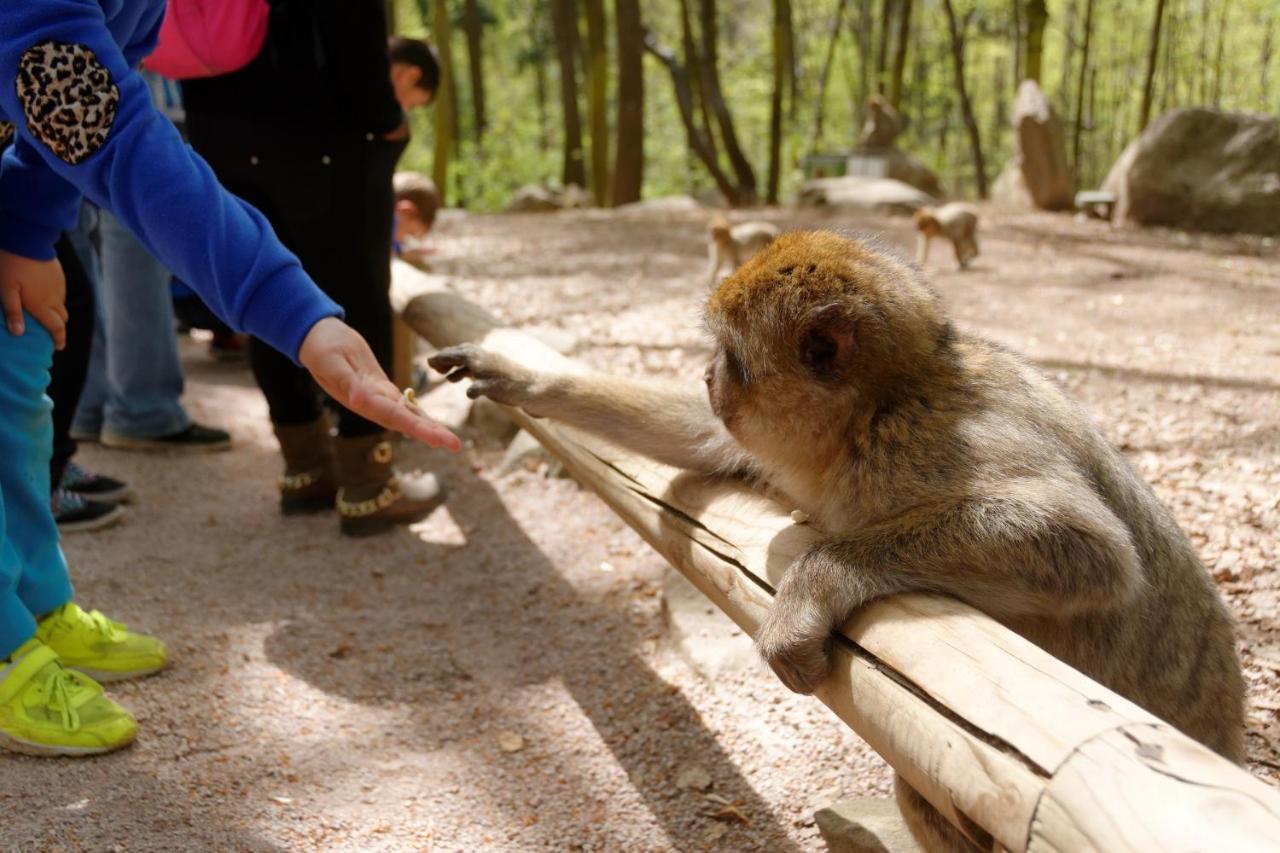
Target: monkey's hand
{"x":814,"y":598}
{"x":494,"y":376}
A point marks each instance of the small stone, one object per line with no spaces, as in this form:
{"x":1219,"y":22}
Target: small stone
{"x":509,"y":741}
{"x":694,"y":777}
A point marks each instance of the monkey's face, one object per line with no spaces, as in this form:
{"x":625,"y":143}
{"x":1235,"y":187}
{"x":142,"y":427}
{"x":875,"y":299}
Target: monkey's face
{"x":811,"y":331}
{"x":926,"y":224}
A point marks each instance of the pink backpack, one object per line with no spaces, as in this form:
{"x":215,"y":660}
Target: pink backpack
{"x":204,"y":38}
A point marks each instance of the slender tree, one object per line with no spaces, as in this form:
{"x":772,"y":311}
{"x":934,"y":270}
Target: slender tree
{"x":714,"y":99}
{"x":473,"y":25}
{"x":564,"y":28}
{"x":597,"y":100}
{"x":966,"y":107}
{"x":446,"y":102}
{"x":698,"y":143}
{"x":824,"y":75}
{"x":1153,"y":52}
{"x":782,"y":65}
{"x":1076,"y":168}
{"x":900,"y":54}
{"x":1016,"y":6}
{"x":628,"y":175}
{"x":1217,"y":59}
{"x":882,"y":51}
{"x":1037,"y":17}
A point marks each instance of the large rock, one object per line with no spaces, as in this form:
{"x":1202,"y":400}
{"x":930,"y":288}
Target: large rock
{"x":865,"y":825}
{"x":534,"y":199}
{"x":893,"y":162}
{"x":1038,"y":175}
{"x":1201,"y":169}
{"x":883,"y":195}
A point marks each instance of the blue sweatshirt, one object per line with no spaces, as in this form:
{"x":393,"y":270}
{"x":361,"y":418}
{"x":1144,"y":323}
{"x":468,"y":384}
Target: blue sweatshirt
{"x":84,"y":124}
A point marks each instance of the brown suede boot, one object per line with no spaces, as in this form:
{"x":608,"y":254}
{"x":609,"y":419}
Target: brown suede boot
{"x":373,"y":497}
{"x":308,"y":484}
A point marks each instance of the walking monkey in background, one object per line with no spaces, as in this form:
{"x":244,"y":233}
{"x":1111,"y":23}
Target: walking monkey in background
{"x":731,"y":246}
{"x":935,"y":461}
{"x":956,"y":222}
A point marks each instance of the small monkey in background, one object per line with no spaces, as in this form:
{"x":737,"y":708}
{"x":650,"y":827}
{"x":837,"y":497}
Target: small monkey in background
{"x":731,"y":246}
{"x":957,"y":222}
{"x":933,"y":461}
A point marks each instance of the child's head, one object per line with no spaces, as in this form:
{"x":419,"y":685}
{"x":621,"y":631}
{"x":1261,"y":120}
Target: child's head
{"x":417,"y":201}
{"x":415,"y":71}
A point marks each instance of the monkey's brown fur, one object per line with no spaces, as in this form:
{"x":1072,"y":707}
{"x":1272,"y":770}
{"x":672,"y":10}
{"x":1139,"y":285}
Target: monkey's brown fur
{"x":956,"y":222}
{"x":935,"y":461}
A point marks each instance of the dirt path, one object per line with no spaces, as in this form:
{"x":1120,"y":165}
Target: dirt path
{"x":496,"y":678}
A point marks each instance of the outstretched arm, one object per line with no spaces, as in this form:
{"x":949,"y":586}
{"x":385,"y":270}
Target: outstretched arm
{"x":672,"y":424}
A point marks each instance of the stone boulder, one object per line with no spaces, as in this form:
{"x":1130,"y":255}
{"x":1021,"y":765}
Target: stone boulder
{"x":893,"y":162}
{"x":1201,"y":169}
{"x":1037,"y":176}
{"x":533,"y":198}
{"x":882,"y":195}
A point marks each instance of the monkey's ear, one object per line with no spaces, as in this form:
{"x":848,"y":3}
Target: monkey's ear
{"x":827,"y":345}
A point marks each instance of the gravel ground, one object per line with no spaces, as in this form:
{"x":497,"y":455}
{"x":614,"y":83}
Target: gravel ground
{"x":496,"y":678}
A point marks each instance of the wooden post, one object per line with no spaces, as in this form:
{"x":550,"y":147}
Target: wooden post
{"x":1010,"y":744}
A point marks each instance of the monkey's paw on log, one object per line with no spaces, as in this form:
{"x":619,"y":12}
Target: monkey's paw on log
{"x":796,"y":645}
{"x":494,"y":376}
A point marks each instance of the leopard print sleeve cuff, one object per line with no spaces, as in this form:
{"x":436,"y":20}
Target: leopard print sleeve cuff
{"x":68,"y":98}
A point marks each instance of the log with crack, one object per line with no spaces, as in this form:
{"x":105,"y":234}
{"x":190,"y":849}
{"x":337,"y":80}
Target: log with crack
{"x":1014,"y":747}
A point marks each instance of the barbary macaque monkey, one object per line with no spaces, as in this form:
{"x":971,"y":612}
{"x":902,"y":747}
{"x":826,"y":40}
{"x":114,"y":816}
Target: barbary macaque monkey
{"x":883,"y":124}
{"x":731,"y":246}
{"x":956,"y":222}
{"x":934,"y":461}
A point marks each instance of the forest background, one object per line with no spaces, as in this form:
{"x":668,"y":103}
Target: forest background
{"x":632,"y":99}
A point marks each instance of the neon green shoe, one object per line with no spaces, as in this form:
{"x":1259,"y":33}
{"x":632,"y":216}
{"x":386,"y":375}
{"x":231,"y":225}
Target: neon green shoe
{"x":101,"y":648}
{"x":47,"y":709}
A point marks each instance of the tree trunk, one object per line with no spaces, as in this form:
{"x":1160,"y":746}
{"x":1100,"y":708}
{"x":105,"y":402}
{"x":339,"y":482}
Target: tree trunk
{"x":1217,"y":59}
{"x":882,"y":51}
{"x":714,"y":99}
{"x":1084,"y":72}
{"x":1153,"y":52}
{"x":966,"y":108}
{"x":695,"y":67}
{"x":564,"y":26}
{"x":597,"y":100}
{"x":820,"y":110}
{"x":781,"y":67}
{"x":1065,"y":81}
{"x":1037,"y":17}
{"x":698,"y":143}
{"x":1016,"y":6}
{"x":900,"y":56}
{"x":473,"y":25}
{"x":628,"y":174}
{"x":446,"y":104}
{"x":862,"y":37}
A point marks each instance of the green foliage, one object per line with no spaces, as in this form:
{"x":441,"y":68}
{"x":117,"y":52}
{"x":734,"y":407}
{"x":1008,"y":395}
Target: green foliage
{"x":519,"y":148}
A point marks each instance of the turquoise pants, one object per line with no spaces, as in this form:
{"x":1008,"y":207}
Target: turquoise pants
{"x":33,"y":572}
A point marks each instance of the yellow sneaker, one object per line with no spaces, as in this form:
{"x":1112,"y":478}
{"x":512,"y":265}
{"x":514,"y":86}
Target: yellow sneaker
{"x":101,"y":648}
{"x":47,"y":709}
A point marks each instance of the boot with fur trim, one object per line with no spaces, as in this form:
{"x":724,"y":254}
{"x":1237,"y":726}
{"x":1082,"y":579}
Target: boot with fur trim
{"x":308,"y":484}
{"x":372,"y":497}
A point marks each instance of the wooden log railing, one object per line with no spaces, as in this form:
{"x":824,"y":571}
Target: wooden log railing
{"x":1014,"y":747}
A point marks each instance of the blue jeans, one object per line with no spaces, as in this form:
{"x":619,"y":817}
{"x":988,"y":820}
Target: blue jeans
{"x":134,"y":386}
{"x":33,"y":572}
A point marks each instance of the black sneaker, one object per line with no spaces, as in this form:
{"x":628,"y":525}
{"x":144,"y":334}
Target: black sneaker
{"x":94,"y":487}
{"x":194,"y":439}
{"x":74,"y":514}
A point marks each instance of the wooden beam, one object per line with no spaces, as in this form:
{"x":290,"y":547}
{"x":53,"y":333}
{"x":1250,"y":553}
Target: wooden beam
{"x":1013,"y":746}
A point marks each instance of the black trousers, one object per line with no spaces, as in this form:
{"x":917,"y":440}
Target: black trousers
{"x":330,"y":201}
{"x":71,"y":364}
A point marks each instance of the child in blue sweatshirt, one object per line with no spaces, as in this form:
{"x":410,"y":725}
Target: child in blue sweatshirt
{"x":82,"y":124}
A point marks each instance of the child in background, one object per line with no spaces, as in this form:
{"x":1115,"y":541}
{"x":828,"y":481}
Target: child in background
{"x":417,"y":201}
{"x":84,"y":123}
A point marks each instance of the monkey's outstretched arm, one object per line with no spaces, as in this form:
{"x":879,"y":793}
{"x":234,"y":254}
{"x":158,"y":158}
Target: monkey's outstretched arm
{"x":1008,"y":556}
{"x":670,"y":423}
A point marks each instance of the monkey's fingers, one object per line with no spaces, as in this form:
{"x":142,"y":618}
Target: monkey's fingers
{"x":463,"y":356}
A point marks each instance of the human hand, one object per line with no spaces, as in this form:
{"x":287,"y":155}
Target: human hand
{"x":345,"y":368}
{"x":37,"y":287}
